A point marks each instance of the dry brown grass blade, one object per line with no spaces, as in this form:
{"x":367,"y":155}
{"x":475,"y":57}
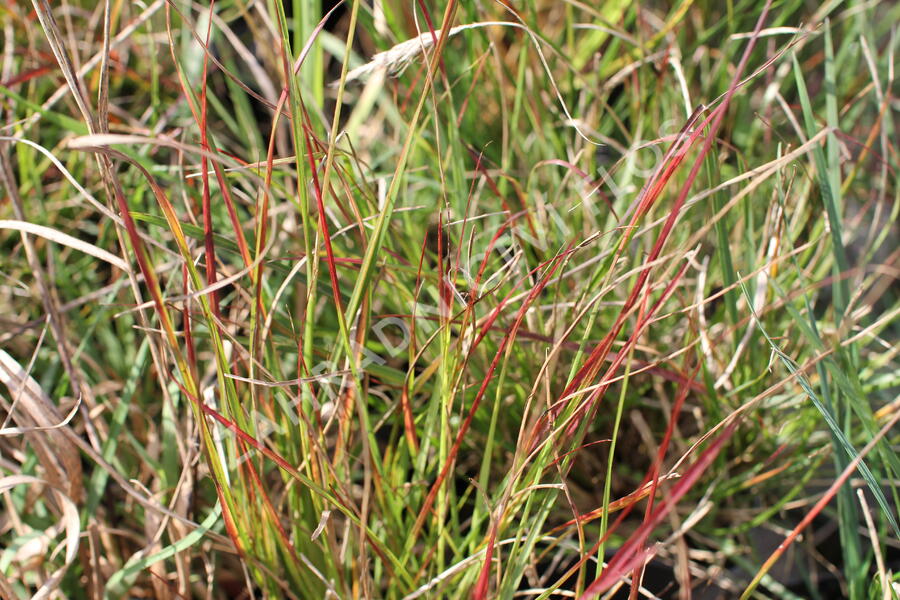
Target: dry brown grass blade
{"x":57,"y":454}
{"x":54,"y":235}
{"x":60,"y":459}
{"x":73,"y":79}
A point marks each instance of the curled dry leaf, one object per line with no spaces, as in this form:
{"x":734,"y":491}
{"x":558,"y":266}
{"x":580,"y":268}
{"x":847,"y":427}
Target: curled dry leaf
{"x":69,"y":521}
{"x":34,"y":410}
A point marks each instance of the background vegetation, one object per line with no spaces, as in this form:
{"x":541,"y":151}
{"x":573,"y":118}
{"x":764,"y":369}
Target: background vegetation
{"x":547,"y":299}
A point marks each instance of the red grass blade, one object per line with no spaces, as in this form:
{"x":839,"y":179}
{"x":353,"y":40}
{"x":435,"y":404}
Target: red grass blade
{"x":633,"y":551}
